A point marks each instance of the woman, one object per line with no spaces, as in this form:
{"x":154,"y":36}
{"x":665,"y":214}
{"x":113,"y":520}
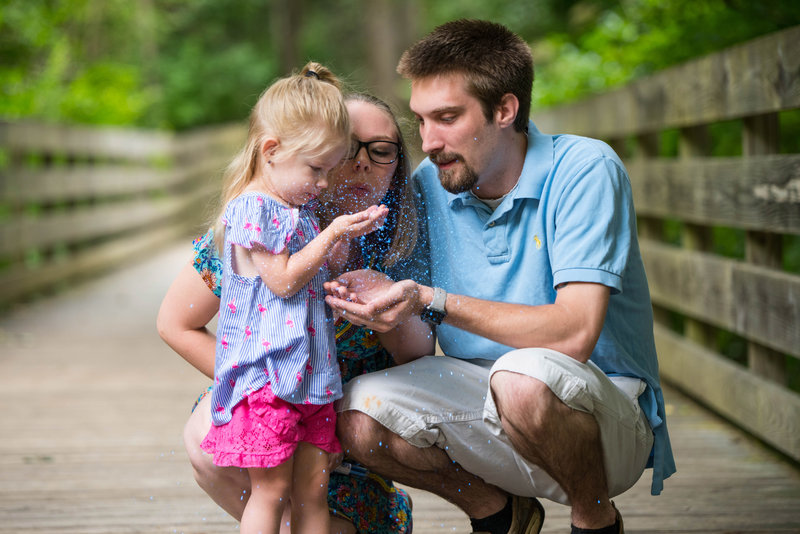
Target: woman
{"x":376,"y":172}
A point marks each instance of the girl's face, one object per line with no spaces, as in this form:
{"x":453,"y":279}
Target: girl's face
{"x":359,"y":182}
{"x":299,"y":178}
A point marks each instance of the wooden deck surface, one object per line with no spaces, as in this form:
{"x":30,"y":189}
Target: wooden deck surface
{"x":93,"y":406}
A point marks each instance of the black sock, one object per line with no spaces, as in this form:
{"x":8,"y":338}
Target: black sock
{"x":611,"y":529}
{"x":498,"y":523}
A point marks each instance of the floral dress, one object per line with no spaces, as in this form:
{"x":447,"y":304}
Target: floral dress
{"x":370,"y":502}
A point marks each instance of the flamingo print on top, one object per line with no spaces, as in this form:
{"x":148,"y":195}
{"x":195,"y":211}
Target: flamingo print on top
{"x":262,"y":336}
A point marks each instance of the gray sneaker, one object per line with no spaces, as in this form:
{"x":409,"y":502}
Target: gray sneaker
{"x":527,"y":515}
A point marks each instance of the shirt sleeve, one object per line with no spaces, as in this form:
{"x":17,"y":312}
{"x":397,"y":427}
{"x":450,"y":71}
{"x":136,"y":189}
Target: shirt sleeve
{"x":593,"y":225}
{"x":259,"y":220}
{"x":207,"y":262}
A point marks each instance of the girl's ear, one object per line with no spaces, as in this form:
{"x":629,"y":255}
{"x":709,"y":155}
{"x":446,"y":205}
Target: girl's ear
{"x":268,"y":148}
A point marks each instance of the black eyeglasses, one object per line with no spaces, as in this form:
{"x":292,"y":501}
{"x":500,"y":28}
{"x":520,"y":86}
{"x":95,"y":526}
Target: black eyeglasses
{"x":380,"y":152}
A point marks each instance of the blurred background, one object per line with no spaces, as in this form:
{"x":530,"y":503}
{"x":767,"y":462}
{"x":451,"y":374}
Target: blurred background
{"x":178,"y":64}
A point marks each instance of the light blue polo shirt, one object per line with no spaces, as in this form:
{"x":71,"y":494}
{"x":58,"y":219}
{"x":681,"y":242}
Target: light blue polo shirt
{"x":569,"y":219}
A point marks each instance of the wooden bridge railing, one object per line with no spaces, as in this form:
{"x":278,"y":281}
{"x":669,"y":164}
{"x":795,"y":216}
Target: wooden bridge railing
{"x":686,"y":197}
{"x":76,"y":200}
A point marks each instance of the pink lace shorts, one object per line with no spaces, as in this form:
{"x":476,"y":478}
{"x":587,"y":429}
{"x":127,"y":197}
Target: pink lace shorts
{"x":264,"y":431}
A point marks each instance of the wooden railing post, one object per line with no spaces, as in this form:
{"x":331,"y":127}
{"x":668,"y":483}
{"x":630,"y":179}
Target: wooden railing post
{"x":695,"y":142}
{"x":651,"y":227}
{"x":760,"y":137}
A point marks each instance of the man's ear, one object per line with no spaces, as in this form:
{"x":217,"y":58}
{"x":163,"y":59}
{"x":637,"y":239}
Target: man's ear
{"x":506,"y":112}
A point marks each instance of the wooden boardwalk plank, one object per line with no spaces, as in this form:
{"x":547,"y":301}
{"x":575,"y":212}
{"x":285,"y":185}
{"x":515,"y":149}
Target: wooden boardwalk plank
{"x":94,"y":403}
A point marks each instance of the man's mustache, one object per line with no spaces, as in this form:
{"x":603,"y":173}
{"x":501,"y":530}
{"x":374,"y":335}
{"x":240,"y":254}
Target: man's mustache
{"x":443,"y":157}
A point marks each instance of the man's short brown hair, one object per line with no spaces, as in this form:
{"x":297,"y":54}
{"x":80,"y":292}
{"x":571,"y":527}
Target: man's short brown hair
{"x":493,"y":59}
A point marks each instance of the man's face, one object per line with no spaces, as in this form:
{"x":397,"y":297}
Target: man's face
{"x":455,"y":133}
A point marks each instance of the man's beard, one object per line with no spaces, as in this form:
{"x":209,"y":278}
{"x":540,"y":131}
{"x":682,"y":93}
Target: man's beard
{"x":453,"y":181}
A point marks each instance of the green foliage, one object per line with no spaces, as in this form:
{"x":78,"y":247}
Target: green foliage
{"x":71,"y":61}
{"x":184,"y":63}
{"x":106,"y":93}
{"x":215,"y":60}
{"x":632,"y":38}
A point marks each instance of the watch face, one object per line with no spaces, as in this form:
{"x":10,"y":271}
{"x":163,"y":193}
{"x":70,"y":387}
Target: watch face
{"x":432,"y":316}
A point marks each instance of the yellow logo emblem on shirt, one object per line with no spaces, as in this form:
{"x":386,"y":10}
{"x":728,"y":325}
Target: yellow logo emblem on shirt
{"x":537,"y":241}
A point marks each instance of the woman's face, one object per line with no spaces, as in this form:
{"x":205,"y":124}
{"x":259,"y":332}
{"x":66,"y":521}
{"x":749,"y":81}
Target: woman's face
{"x":359,"y":183}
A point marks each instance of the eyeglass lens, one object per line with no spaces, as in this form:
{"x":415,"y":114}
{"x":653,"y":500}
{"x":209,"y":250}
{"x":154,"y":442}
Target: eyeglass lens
{"x":383,"y":152}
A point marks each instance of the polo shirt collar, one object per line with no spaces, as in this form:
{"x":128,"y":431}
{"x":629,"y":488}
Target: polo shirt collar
{"x":538,"y":163}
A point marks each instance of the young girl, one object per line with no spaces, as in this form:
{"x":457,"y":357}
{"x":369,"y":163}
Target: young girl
{"x":276,"y":375}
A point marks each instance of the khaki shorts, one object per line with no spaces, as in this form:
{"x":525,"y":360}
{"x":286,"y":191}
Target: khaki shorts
{"x":445,"y":402}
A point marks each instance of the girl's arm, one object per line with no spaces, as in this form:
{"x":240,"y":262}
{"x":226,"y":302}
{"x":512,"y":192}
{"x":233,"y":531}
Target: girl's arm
{"x":187,"y":308}
{"x":286,"y":274}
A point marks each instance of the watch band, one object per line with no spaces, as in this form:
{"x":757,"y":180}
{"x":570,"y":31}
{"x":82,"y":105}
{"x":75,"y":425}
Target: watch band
{"x":439,"y":299}
{"x":434,"y":313}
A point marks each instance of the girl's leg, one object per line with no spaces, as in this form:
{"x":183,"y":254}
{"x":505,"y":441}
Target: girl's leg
{"x":268,"y":498}
{"x":310,"y":513}
{"x":229,"y":487}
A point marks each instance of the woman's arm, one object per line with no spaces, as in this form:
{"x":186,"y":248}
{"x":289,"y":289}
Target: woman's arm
{"x":409,"y":340}
{"x":187,"y":308}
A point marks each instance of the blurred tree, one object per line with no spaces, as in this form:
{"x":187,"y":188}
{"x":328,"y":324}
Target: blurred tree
{"x":605,"y":44}
{"x":74,"y":61}
{"x":183,"y":63}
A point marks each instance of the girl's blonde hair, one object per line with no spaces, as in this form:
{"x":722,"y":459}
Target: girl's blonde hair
{"x":305,"y":112}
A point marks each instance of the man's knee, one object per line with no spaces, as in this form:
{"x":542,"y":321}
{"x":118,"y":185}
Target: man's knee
{"x":356,"y":431}
{"x":520,"y":397}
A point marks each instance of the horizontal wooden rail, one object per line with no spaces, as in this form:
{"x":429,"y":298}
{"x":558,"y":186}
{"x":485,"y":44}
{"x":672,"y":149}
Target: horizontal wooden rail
{"x":78,"y":199}
{"x":758,"y":303}
{"x":758,"y":77}
{"x":752,"y":402}
{"x":92,"y":222}
{"x":84,"y":142}
{"x":79,"y":182}
{"x":754,"y":193}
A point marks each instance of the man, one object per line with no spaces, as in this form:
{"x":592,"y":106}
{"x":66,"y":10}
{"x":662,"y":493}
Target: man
{"x":537,"y":295}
